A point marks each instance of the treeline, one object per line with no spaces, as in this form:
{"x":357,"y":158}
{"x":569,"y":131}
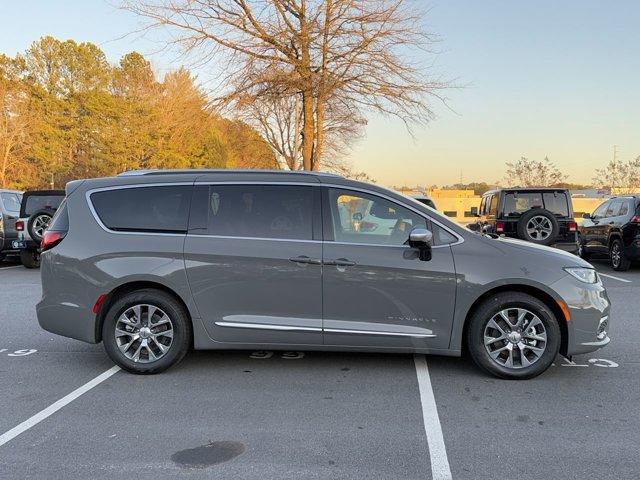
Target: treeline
{"x":67,"y":113}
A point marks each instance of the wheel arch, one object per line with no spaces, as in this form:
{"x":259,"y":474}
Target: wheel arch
{"x":538,"y":293}
{"x":613,"y":235}
{"x":131,"y":286}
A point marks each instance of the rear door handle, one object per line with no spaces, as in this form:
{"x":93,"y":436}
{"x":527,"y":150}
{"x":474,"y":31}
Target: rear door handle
{"x":340,"y":262}
{"x":303,"y":259}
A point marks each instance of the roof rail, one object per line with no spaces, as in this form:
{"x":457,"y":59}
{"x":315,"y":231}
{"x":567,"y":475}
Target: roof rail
{"x":134,"y":173}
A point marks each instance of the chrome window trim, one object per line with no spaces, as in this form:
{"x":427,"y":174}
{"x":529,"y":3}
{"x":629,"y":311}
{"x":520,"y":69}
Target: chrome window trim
{"x":88,"y":194}
{"x":460,"y":239}
{"x":92,"y":209}
{"x":265,"y":239}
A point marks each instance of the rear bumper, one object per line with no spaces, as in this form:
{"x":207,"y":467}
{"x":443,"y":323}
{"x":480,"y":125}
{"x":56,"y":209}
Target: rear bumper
{"x":571,"y":247}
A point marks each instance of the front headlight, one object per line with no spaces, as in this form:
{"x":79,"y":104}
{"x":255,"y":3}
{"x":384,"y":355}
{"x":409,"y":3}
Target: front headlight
{"x":586,"y":275}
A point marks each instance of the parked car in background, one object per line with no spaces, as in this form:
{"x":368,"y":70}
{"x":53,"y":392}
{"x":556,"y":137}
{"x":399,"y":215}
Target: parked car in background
{"x":154,"y":263}
{"x":425,"y":200}
{"x":36,"y":210}
{"x":613,"y":229}
{"x":538,"y":215}
{"x":9,"y":212}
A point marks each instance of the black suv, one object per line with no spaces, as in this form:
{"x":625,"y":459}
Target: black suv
{"x":538,"y":215}
{"x":613,"y":229}
{"x":36,"y":210}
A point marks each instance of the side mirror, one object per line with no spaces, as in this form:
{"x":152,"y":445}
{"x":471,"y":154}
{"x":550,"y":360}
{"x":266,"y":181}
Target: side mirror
{"x":357,"y":216}
{"x":587,"y":216}
{"x":422,"y":239}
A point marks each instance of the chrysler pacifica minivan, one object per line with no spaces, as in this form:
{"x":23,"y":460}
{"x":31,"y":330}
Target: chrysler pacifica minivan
{"x":153,"y":263}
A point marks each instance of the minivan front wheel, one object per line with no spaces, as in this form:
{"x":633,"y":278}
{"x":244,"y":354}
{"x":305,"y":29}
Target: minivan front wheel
{"x":146,"y":331}
{"x":513,"y":335}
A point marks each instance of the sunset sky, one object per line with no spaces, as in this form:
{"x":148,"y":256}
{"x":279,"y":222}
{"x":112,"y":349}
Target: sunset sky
{"x":537,"y":78}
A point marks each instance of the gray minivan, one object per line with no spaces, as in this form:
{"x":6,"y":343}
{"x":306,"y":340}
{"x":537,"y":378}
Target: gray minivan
{"x":152,"y":263}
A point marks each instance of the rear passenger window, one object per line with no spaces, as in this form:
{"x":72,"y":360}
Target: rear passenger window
{"x":144,"y":209}
{"x":260,"y":211}
{"x":624,"y":208}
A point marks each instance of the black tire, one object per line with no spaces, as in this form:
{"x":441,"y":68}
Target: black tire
{"x":538,"y":212}
{"x":582,"y":249}
{"x":31,"y":227}
{"x":182,"y":331}
{"x":488,"y":310}
{"x":617,"y":257}
{"x":30,"y":258}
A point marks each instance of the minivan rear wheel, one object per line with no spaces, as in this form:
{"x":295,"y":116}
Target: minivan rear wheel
{"x":146,"y":331}
{"x":513,"y":335}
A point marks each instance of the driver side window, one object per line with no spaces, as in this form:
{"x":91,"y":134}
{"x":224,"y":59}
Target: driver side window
{"x":363,"y":218}
{"x":600,"y":211}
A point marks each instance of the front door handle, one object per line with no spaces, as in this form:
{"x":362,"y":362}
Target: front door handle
{"x":340,"y":262}
{"x":304,"y":260}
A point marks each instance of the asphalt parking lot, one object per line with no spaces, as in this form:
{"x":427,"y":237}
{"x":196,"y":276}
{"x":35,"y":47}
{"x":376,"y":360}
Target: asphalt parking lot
{"x":227,"y":415}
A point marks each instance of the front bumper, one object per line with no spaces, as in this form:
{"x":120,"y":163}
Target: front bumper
{"x":588,"y":306}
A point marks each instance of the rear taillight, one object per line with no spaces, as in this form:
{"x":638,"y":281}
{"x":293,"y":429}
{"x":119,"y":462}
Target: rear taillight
{"x":50,"y":239}
{"x":572,"y":226}
{"x":20,"y":225}
{"x":635,"y":219}
{"x":500,"y":227}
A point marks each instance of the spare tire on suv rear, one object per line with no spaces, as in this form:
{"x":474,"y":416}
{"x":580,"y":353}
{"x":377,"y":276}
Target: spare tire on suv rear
{"x":538,"y":226}
{"x":38,"y":223}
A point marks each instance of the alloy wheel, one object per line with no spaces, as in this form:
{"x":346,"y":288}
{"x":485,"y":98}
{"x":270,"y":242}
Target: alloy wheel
{"x":40,"y":224}
{"x":539,"y":227}
{"x":616,"y":255}
{"x":515,"y":338}
{"x":144,"y":333}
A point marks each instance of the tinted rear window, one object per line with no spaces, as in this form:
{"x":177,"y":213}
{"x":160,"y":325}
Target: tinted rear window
{"x":515,"y":204}
{"x":40,"y":202}
{"x":144,"y":209}
{"x":260,"y":211}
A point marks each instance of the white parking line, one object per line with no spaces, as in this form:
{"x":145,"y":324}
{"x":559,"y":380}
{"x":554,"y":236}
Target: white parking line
{"x":437,"y":451}
{"x":14,"y":266}
{"x":615,"y":278}
{"x":54,"y":407}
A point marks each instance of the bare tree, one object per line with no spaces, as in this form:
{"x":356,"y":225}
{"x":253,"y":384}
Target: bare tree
{"x":324,"y":52}
{"x":532,"y":173}
{"x":619,"y":174}
{"x":279,"y":119}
